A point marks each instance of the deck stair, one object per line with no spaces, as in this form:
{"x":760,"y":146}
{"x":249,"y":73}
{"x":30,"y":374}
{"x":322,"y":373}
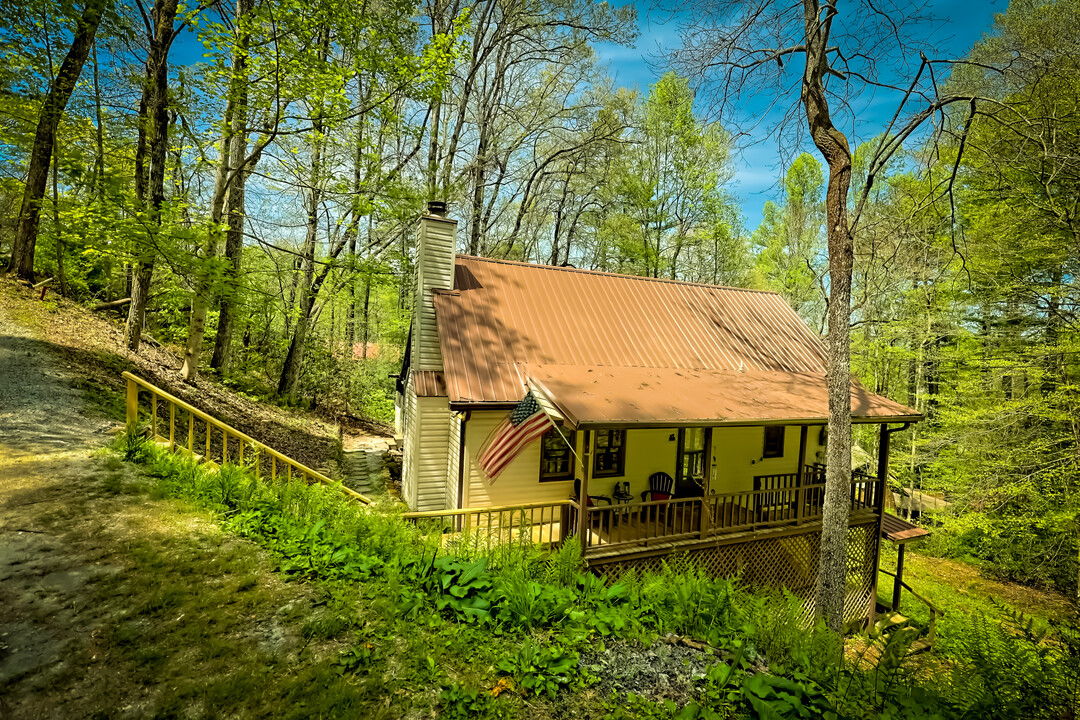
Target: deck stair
{"x":890,"y":623}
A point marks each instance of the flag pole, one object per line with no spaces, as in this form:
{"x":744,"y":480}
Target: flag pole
{"x":554,"y":423}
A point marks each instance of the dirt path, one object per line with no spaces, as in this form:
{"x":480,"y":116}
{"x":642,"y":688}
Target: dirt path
{"x":113,"y":604}
{"x":46,"y":446}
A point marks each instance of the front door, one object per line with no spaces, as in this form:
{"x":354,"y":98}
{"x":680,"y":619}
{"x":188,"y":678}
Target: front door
{"x":693,"y":462}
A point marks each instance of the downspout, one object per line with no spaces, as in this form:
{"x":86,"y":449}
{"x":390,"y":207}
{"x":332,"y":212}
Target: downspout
{"x":461,"y":462}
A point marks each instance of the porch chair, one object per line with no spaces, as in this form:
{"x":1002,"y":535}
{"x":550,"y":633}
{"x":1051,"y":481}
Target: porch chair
{"x":591,"y":498}
{"x":660,"y":488}
{"x":591,"y":501}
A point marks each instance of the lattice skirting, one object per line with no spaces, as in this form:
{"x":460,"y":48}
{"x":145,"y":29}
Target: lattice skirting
{"x":789,"y":562}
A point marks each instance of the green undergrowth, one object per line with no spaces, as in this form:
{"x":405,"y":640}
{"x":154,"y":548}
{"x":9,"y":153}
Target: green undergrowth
{"x":427,"y":626}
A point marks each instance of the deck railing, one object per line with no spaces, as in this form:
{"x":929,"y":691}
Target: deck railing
{"x":778,"y":505}
{"x":204,"y":437}
{"x":547,"y":523}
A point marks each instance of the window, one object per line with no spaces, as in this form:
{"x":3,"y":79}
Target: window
{"x":610,"y":453}
{"x":556,"y":460}
{"x":774,"y":442}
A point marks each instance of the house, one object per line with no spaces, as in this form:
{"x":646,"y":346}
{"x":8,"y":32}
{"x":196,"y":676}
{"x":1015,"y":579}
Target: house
{"x":720,"y":389}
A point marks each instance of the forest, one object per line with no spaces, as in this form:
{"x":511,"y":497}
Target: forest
{"x":253,"y":201}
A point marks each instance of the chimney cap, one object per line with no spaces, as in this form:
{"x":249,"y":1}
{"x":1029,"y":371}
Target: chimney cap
{"x":437,"y":208}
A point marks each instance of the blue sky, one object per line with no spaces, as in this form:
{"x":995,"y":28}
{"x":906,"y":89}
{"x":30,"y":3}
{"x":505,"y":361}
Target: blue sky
{"x":758,"y":163}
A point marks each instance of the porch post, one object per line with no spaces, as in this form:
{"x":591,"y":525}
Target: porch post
{"x":799,"y":478}
{"x":897,"y":588}
{"x":881,"y":487}
{"x":583,"y":496}
{"x":883,"y":465}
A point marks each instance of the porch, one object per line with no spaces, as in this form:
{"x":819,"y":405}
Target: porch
{"x":788,"y":504}
{"x":786,"y":501}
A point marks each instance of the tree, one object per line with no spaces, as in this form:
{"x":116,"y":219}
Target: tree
{"x":228,"y":184}
{"x":151,"y":155}
{"x":736,"y":47}
{"x":22,"y":253}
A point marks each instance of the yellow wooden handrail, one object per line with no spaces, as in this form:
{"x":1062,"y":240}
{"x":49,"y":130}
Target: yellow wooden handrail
{"x":496,"y":523}
{"x":134,"y":383}
{"x":494,"y":508}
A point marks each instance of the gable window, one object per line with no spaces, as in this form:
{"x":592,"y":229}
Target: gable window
{"x":610,"y":455}
{"x":774,"y":442}
{"x":556,"y":459}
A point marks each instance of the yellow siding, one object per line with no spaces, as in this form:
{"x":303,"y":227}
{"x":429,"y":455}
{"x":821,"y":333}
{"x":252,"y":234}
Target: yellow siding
{"x":736,"y":460}
{"x":519,"y":482}
{"x":647,"y":452}
{"x":737,"y":456}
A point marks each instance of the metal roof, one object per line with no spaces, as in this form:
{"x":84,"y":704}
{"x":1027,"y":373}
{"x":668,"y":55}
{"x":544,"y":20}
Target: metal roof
{"x":900,"y":531}
{"x":505,"y":322}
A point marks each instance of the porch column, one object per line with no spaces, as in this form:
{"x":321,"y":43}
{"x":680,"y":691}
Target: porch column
{"x":882,"y":487}
{"x":883,"y":466}
{"x":799,"y":477}
{"x":583,"y":496}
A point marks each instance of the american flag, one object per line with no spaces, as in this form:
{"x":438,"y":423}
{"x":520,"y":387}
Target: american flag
{"x":526,"y":422}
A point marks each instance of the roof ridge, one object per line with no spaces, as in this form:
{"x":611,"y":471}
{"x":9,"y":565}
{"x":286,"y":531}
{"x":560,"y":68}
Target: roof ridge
{"x":613,"y":274}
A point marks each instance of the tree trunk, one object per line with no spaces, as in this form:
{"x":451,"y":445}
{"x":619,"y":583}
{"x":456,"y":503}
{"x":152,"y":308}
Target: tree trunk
{"x":290,"y":371}
{"x":150,"y":176}
{"x":22,"y":252}
{"x":234,"y":247}
{"x":60,"y":276}
{"x":229,"y":176}
{"x":99,"y":132}
{"x":833,"y":146}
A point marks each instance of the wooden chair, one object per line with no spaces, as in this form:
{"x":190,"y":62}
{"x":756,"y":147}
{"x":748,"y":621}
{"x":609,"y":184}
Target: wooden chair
{"x":660,"y":488}
{"x":590,"y":501}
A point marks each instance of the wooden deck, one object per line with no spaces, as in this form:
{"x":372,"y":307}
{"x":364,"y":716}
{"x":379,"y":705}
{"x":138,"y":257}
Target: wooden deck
{"x":786,"y":506}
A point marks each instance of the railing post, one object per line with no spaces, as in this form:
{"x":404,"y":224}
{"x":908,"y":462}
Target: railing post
{"x":583,"y":496}
{"x":132,"y":404}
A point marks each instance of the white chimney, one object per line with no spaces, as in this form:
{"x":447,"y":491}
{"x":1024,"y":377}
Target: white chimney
{"x":434,"y":269}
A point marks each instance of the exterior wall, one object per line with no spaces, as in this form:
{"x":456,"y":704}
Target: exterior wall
{"x":737,"y":456}
{"x":429,"y":456}
{"x":408,"y":449}
{"x":647,"y":452}
{"x":736,"y":459}
{"x":519,"y":483}
{"x":453,"y":461}
{"x":430,"y":453}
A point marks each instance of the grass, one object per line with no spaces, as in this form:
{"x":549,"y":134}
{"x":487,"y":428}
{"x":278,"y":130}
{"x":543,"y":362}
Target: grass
{"x":958,"y":589}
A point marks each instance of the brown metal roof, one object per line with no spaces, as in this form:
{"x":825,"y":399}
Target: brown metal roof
{"x":901,"y":531}
{"x":609,"y":397}
{"x":429,"y":383}
{"x":507,"y":321}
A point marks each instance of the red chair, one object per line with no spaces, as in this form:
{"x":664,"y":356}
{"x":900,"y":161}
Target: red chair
{"x":660,"y":487}
{"x":590,"y":501}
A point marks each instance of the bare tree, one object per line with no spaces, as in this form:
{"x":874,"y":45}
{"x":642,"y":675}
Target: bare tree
{"x":741,"y":47}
